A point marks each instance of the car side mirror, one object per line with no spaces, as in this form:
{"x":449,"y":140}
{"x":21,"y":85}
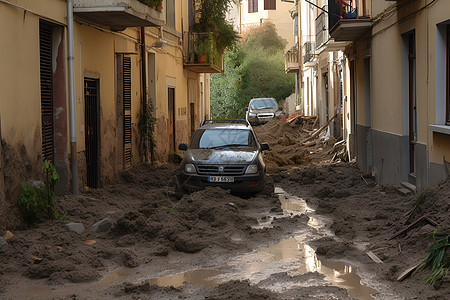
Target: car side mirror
{"x":182,"y":147}
{"x":264,"y":146}
{"x":246,"y":109}
{"x":280,"y":108}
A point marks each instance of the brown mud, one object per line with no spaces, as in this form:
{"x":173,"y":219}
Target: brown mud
{"x":152,"y":232}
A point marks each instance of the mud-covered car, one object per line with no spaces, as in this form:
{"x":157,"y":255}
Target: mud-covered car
{"x":262,"y":110}
{"x":223,"y":153}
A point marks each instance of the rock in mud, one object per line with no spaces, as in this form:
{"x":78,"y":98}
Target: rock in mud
{"x":3,"y":243}
{"x":102,"y":226}
{"x":74,"y":227}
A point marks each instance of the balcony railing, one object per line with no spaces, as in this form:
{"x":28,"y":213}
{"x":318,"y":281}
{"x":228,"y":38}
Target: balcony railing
{"x":349,"y":19}
{"x":119,"y":14}
{"x":201,"y":54}
{"x":322,"y":33}
{"x":308,"y":51}
{"x":291,"y":60}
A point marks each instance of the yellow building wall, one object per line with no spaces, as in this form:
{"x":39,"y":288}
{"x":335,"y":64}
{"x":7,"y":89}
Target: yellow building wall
{"x":439,"y":143}
{"x":386,"y":82}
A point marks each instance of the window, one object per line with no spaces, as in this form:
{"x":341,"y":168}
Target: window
{"x":270,"y":4}
{"x":170,"y":13}
{"x":223,"y":138}
{"x":447,"y":116}
{"x":252,"y":6}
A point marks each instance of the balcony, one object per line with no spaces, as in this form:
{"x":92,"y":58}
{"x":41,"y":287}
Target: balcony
{"x":308,"y":52}
{"x":201,"y":54}
{"x":353,"y":22}
{"x":322,"y":34}
{"x":291,"y":60}
{"x":118,"y":14}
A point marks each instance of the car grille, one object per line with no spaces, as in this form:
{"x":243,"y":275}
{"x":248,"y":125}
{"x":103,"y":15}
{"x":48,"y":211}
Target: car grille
{"x":267,"y":115}
{"x":227,"y":170}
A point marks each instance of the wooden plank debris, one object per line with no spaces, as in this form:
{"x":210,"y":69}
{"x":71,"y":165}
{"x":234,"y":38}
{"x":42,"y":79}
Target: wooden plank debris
{"x":407,"y":272}
{"x":318,"y":131}
{"x":374,"y":257}
{"x":410,"y":226}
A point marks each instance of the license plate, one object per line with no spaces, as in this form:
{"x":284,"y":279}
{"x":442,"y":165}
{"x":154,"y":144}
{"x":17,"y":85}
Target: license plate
{"x":220,"y":179}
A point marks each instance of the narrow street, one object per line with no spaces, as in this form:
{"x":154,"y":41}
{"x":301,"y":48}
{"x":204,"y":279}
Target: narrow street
{"x":308,"y":235}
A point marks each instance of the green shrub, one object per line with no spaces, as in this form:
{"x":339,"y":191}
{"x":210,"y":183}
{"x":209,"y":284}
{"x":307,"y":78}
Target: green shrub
{"x":36,"y":200}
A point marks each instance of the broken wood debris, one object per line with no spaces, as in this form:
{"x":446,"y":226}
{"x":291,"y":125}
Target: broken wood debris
{"x":318,"y":131}
{"x":374,"y":257}
{"x":408,"y":272}
{"x":422,"y":218}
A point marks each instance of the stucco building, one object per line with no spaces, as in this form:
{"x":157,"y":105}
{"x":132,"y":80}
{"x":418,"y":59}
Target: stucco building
{"x":385,"y":67}
{"x":246,"y":14}
{"x":80,"y":81}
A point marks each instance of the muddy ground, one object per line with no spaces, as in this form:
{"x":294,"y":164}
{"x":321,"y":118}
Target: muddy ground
{"x":151,"y":230}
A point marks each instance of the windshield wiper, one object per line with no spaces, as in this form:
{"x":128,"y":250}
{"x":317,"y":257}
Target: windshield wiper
{"x":229,"y":146}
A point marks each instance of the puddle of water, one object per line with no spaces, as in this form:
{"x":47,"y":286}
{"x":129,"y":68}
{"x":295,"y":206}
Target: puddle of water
{"x":203,"y":278}
{"x":297,"y":259}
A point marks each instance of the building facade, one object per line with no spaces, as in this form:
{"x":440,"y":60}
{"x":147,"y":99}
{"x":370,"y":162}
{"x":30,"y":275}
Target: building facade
{"x":85,"y":80}
{"x":384,"y":66}
{"x":249,"y":13}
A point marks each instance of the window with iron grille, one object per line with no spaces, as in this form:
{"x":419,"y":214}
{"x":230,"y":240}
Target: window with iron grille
{"x":46,"y":82}
{"x":127,"y":110}
{"x":252,"y":6}
{"x":270,"y":4}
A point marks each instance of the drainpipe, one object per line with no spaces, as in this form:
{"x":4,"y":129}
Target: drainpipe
{"x":300,"y":52}
{"x":144,"y":93}
{"x":73,"y":132}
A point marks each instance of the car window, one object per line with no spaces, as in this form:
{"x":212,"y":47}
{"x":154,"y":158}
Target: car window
{"x":264,"y":103}
{"x":223,"y":138}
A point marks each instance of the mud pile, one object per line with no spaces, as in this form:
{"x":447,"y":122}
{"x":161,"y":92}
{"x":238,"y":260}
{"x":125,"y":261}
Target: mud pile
{"x":376,"y":218}
{"x":146,"y":222}
{"x":285,"y":144}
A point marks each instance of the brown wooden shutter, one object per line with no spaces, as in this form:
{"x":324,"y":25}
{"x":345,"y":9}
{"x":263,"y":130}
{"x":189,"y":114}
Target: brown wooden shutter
{"x":127,"y":110}
{"x":252,"y":6}
{"x":270,"y":4}
{"x":46,"y":78}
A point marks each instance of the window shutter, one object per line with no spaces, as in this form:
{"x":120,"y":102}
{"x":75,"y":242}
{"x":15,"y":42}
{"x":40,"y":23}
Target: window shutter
{"x":252,"y":6}
{"x":46,"y":74}
{"x":127,"y":110}
{"x":270,"y":4}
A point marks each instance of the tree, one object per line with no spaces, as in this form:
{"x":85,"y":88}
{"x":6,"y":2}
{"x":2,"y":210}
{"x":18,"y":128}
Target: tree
{"x":254,"y":68}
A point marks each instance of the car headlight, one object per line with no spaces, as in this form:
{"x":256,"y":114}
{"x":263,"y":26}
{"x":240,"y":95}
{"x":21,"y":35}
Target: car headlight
{"x":251,"y":114}
{"x":252,"y":169}
{"x":189,"y":168}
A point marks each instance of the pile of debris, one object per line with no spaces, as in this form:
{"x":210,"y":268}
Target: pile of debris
{"x":297,"y":141}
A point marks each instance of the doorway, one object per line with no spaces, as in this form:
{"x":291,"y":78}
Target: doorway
{"x":412,"y":104}
{"x":92,"y":131}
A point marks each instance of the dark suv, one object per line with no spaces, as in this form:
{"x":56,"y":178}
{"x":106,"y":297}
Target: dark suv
{"x":223,"y":153}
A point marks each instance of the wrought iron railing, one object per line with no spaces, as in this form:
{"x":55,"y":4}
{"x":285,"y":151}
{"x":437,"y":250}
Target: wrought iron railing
{"x":322,"y":32}
{"x":201,"y":48}
{"x":308,"y":51}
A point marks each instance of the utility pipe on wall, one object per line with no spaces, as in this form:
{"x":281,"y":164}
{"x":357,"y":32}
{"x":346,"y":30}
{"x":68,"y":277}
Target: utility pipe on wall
{"x":73,"y":132}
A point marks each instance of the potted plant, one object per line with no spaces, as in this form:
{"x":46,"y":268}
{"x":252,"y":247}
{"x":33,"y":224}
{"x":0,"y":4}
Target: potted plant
{"x":211,"y":19}
{"x":155,"y":4}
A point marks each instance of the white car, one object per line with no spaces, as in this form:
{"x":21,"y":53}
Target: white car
{"x":262,"y":110}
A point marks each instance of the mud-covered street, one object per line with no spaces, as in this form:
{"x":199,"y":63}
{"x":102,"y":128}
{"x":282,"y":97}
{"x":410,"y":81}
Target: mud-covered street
{"x":320,"y":230}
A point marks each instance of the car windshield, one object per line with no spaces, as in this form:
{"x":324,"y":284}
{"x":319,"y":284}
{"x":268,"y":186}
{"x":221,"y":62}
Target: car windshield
{"x":263,"y":103}
{"x":223,"y":138}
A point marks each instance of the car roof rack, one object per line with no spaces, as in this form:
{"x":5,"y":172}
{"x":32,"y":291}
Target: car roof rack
{"x":237,"y":121}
